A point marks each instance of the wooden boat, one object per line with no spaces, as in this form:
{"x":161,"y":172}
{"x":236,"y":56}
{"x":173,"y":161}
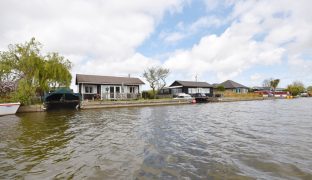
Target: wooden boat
{"x":62,"y":99}
{"x":8,"y":108}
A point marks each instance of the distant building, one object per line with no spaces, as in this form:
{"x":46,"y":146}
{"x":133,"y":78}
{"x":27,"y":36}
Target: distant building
{"x":232,"y":86}
{"x":188,"y":87}
{"x":268,"y":92}
{"x":108,"y":87}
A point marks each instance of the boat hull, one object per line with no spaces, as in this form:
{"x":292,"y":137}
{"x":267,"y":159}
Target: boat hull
{"x":8,"y":108}
{"x":62,"y":105}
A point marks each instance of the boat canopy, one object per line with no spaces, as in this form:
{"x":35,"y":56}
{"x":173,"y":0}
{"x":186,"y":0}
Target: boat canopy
{"x":62,"y":94}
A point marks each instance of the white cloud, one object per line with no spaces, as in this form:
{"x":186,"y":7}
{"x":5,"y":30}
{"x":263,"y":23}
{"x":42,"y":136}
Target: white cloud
{"x":286,"y":26}
{"x":184,"y":31}
{"x":226,"y":55}
{"x":173,"y":37}
{"x":99,"y":37}
{"x":206,"y":22}
{"x":256,"y":78}
{"x":215,"y":4}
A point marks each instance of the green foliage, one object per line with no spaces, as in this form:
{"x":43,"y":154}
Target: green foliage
{"x":33,"y":73}
{"x":296,"y":88}
{"x":149,"y":94}
{"x":220,"y":88}
{"x":156,"y":77}
{"x":274,"y":83}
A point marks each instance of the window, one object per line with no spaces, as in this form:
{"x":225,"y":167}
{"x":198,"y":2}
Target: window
{"x":176,"y":91}
{"x":198,"y":90}
{"x":131,"y":88}
{"x":166,"y":91}
{"x":193,"y":90}
{"x":117,"y":89}
{"x":88,"y":89}
{"x":205,"y":90}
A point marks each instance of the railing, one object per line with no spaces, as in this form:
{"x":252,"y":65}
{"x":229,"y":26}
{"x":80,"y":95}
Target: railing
{"x":120,"y":96}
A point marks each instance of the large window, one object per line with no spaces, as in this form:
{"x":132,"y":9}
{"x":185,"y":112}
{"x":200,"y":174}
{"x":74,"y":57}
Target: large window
{"x":192,"y":90}
{"x":132,"y":89}
{"x":176,"y":91}
{"x":198,"y":90}
{"x":117,"y":89}
{"x":88,"y":89}
{"x":206,"y":90}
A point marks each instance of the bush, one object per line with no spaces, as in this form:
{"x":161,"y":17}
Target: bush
{"x":295,"y":88}
{"x":148,"y":94}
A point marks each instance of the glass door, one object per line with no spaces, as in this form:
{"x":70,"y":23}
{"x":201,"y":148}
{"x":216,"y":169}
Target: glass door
{"x":117,"y":92}
{"x":112,"y":92}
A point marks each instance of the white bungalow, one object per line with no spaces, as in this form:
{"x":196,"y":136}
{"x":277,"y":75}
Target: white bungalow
{"x":108,"y":87}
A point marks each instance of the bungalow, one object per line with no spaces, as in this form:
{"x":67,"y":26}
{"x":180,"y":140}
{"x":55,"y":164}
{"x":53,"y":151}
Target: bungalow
{"x":108,"y":87}
{"x":232,"y":86}
{"x":188,"y":87}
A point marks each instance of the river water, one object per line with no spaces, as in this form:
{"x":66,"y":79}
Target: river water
{"x":236,"y":140}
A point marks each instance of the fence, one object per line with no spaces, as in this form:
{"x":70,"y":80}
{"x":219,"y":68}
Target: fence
{"x":120,"y":96}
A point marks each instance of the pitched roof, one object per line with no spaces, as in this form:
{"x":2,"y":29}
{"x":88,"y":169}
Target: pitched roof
{"x":94,"y":79}
{"x":192,"y":84}
{"x":229,"y":84}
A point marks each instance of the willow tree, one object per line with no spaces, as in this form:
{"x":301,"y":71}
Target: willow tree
{"x":33,"y":72}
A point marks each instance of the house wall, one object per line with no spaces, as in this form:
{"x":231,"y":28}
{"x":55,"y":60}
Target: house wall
{"x":86,"y":89}
{"x":205,"y":90}
{"x":98,"y":91}
{"x":192,"y":90}
{"x":119,"y":91}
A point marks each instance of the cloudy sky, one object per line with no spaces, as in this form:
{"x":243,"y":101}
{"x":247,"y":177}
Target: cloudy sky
{"x":246,"y":41}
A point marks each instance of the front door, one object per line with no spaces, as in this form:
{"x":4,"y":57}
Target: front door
{"x":112,"y":92}
{"x":117,"y":92}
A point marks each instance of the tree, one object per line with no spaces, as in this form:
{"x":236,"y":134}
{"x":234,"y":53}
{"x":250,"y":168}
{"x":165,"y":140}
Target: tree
{"x":273,"y":84}
{"x":162,"y":74}
{"x":295,"y":88}
{"x":33,"y":72}
{"x":266,"y":82}
{"x":309,"y":89}
{"x":220,"y":88}
{"x":156,"y":77}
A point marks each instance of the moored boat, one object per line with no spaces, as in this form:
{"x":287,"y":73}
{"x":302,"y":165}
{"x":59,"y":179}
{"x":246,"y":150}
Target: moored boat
{"x":61,"y":99}
{"x":9,"y":108}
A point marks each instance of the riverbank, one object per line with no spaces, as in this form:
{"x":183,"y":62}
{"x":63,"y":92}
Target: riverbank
{"x":140,"y":103}
{"x":30,"y":108}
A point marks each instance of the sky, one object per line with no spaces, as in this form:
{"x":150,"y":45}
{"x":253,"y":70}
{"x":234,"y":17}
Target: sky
{"x":243,"y":40}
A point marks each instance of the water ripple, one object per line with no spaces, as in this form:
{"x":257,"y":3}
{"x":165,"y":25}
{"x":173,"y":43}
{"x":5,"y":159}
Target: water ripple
{"x":236,"y":140}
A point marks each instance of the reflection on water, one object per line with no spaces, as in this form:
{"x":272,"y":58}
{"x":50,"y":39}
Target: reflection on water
{"x":239,"y":140}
